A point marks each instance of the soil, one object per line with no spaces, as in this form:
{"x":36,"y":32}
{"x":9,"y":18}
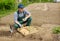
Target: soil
{"x":45,"y":18}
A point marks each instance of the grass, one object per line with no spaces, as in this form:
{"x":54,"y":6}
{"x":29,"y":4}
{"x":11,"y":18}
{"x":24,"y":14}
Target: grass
{"x":5,"y":12}
{"x":47,"y":1}
{"x":42,"y":1}
{"x":6,"y":7}
{"x":56,"y":30}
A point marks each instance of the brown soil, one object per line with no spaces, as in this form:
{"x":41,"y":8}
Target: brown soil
{"x":45,"y":17}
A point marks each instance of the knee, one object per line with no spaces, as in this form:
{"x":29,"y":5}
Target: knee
{"x":16,"y":25}
{"x":29,"y":19}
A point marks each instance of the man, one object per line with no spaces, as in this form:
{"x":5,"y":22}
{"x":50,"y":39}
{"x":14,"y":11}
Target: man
{"x":22,"y":16}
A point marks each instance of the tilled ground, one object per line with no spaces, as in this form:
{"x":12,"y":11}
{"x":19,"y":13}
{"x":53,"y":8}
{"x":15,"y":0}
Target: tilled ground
{"x":44,"y":34}
{"x":45,"y":17}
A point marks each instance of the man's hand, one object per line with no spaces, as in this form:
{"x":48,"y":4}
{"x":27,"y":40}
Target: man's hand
{"x":20,"y":25}
{"x":24,"y":19}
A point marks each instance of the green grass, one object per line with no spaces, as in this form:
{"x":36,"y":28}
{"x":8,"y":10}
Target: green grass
{"x":25,"y":3}
{"x":41,"y":1}
{"x":6,"y":7}
{"x":56,"y":30}
{"x":47,"y":1}
{"x":5,"y":12}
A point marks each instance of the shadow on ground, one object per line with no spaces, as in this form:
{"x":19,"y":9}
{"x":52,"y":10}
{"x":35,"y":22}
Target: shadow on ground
{"x":4,"y":33}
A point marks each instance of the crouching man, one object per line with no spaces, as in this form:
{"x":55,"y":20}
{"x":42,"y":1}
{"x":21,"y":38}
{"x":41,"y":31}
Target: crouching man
{"x":21,"y":17}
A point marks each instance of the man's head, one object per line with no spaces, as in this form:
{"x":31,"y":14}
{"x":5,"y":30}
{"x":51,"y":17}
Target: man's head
{"x":21,"y":7}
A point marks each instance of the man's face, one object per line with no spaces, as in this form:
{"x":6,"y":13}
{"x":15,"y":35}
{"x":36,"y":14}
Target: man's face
{"x":21,"y":9}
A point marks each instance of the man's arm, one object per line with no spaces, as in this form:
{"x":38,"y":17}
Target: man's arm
{"x":15,"y":19}
{"x":28,"y":14}
{"x":18,"y":23}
